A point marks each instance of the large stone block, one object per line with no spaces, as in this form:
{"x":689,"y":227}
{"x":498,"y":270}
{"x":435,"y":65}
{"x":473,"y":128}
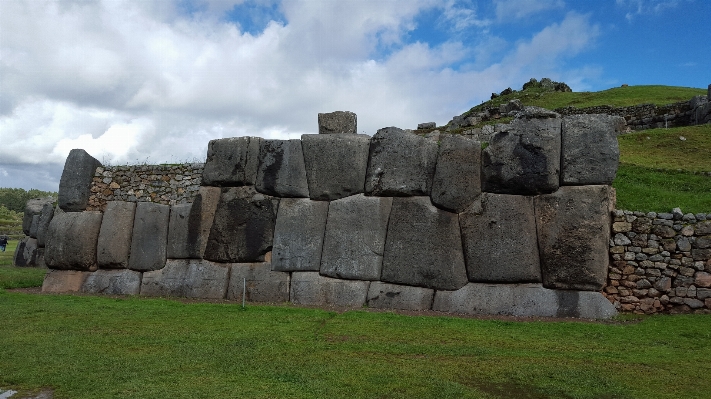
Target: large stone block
{"x":243,"y":229}
{"x":298,"y":235}
{"x":63,"y":281}
{"x":523,"y":300}
{"x":33,"y":207}
{"x":150,"y":237}
{"x":34,"y":226}
{"x":337,"y":122}
{"x":71,"y":240}
{"x":231,"y":162}
{"x":590,"y":154}
{"x":524,"y":159}
{"x":354,"y":241}
{"x":202,"y":214}
{"x":112,"y":282}
{"x":423,"y":246}
{"x":335,"y":164}
{"x":457,"y":179}
{"x":190,"y":278}
{"x":499,"y":240}
{"x":178,"y":231}
{"x":402,"y":297}
{"x":43,"y":226}
{"x":114,"y":244}
{"x":310,"y":288}
{"x":75,"y":183}
{"x":573,"y":235}
{"x":281,"y":170}
{"x":401,"y":164}
{"x":26,"y":254}
{"x":262,"y":284}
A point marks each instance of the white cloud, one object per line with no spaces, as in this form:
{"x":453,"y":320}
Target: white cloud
{"x":642,"y":7}
{"x":508,"y":10}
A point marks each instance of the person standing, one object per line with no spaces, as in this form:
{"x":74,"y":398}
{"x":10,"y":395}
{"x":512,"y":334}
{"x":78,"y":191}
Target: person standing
{"x":3,"y":243}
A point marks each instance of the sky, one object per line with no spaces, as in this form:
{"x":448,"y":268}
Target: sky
{"x":136,"y":82}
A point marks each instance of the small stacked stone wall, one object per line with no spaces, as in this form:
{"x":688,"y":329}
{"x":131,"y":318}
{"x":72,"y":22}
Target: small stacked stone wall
{"x":163,"y":184}
{"x":660,"y":262}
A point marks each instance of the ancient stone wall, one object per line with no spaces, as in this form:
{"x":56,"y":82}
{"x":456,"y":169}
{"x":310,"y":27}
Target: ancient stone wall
{"x":645,"y":116}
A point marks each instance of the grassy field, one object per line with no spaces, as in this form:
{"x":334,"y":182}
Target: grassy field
{"x":18,"y":277}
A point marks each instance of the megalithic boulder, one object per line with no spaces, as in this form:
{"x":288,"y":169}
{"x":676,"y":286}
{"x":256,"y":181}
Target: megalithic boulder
{"x":75,"y":184}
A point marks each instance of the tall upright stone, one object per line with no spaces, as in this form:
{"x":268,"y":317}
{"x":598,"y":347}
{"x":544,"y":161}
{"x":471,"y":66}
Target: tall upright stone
{"x":71,"y":240}
{"x":573,"y":236}
{"x":590,"y":153}
{"x":457,"y":179}
{"x":298,"y":235}
{"x":45,"y":218}
{"x":524,"y":158}
{"x":202,"y":214}
{"x":231,"y":162}
{"x":423,"y":247}
{"x":114,"y":245}
{"x":243,"y":229}
{"x":75,"y":184}
{"x":401,"y":164}
{"x":355,"y":237}
{"x":26,"y":253}
{"x":178,"y":231}
{"x":281,"y":171}
{"x":150,"y":237}
{"x":335,"y":164}
{"x":499,"y":240}
{"x":338,"y":122}
{"x":33,"y":207}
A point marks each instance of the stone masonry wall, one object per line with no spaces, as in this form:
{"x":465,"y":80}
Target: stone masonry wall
{"x":660,"y":262}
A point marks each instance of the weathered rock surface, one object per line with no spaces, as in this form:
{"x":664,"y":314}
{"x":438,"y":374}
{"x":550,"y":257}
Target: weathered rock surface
{"x":401,"y":164}
{"x":402,"y":297}
{"x":354,"y":241}
{"x":202,"y":214}
{"x":499,"y":240}
{"x":263,"y":284}
{"x":34,"y":225}
{"x":231,"y":162}
{"x":298,"y":235}
{"x":337,"y":122}
{"x":190,"y":278}
{"x":114,"y":244}
{"x":112,"y":282}
{"x":423,"y":246}
{"x":63,"y":281}
{"x":33,"y":207}
{"x":243,"y":229}
{"x":590,"y":153}
{"x":72,"y":239}
{"x":309,"y":288}
{"x":573,"y":235}
{"x":149,"y":244}
{"x":335,"y":164}
{"x":457,"y":179}
{"x":524,"y":159}
{"x":75,"y":183}
{"x":26,"y":254}
{"x":43,"y":226}
{"x":281,"y":171}
{"x":178,"y":231}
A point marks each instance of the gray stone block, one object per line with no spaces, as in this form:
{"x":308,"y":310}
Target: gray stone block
{"x":457,"y":179}
{"x":231,"y":162}
{"x":585,"y":305}
{"x":243,"y":229}
{"x":75,"y":183}
{"x":178,"y":231}
{"x":590,"y":154}
{"x":573,"y":236}
{"x":112,"y":282}
{"x":521,"y":300}
{"x":423,"y":246}
{"x":281,"y":170}
{"x":34,"y":226}
{"x":202,"y":214}
{"x":114,"y":244}
{"x":71,"y":240}
{"x":26,"y":253}
{"x":263,"y":284}
{"x":309,"y":288}
{"x":354,"y":241}
{"x":33,"y":207}
{"x":499,"y":240}
{"x":298,"y":235}
{"x":401,"y":164}
{"x":402,"y":297}
{"x":63,"y":281}
{"x":150,"y":237}
{"x":190,"y":278}
{"x":44,"y":218}
{"x":337,"y":122}
{"x":335,"y":164}
{"x":524,"y":158}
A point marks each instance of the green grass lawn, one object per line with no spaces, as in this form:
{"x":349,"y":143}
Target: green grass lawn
{"x":18,"y":277}
{"x":99,"y":347}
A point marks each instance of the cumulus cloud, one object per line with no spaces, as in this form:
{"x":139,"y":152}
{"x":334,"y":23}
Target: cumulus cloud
{"x":507,"y":10}
{"x":641,"y":7}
